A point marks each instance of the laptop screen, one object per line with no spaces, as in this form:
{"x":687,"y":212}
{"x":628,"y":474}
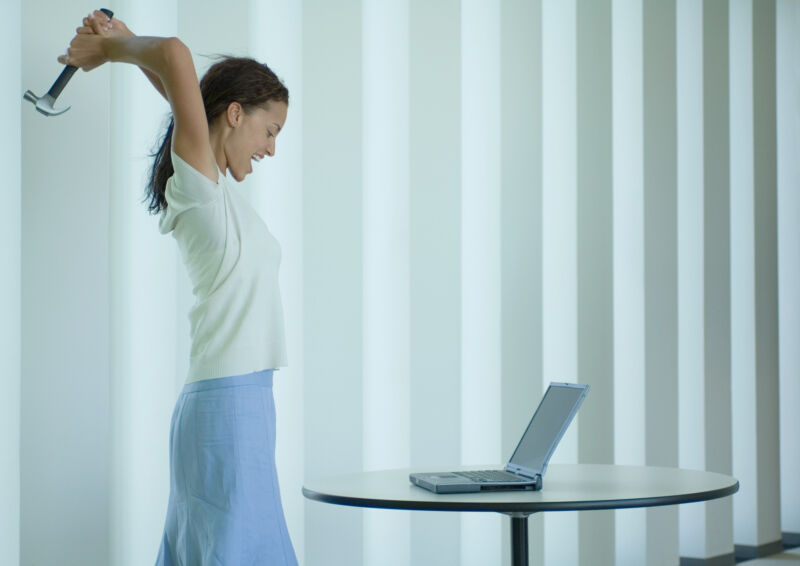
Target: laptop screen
{"x":549,"y":423}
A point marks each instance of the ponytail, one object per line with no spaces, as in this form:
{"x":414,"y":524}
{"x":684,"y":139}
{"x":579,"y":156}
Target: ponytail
{"x":162,"y":170}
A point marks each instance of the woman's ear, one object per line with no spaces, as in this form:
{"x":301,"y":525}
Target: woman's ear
{"x":234,"y":114}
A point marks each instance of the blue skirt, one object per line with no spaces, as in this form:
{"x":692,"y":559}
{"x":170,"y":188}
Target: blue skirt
{"x":224,"y":502}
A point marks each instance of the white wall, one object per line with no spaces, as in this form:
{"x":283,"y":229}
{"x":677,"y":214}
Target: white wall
{"x":559,"y":240}
{"x":754,"y":272}
{"x":65,"y":294}
{"x":691,"y":331}
{"x":628,"y":265}
{"x":278,"y":192}
{"x":143,"y":271}
{"x":788,"y":90}
{"x":473,"y":199}
{"x":521,"y":233}
{"x":435,"y":266}
{"x":386,"y":412}
{"x":481,"y":541}
{"x":10,"y":160}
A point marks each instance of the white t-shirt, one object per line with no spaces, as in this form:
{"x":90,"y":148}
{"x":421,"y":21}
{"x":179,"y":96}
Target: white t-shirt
{"x":232,"y":261}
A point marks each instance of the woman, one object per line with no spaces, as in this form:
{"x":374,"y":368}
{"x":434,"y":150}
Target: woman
{"x":224,"y":506}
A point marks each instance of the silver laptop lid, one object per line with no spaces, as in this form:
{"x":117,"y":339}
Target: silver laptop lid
{"x":549,"y":423}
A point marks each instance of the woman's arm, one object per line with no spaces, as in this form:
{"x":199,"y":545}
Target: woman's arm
{"x":99,"y":24}
{"x":171,"y":62}
{"x":156,"y":82}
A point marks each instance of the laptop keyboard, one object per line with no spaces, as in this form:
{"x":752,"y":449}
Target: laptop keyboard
{"x":483,"y":476}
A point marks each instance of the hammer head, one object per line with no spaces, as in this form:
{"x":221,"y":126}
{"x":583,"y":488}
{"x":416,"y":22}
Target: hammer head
{"x":44,"y":104}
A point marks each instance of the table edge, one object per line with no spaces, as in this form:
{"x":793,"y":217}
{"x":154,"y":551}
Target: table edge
{"x":517,"y":506}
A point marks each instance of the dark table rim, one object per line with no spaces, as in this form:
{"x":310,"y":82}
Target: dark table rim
{"x":441,"y":504}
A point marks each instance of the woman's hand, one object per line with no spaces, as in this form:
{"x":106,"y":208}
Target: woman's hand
{"x":86,"y":48}
{"x":168,"y":64}
{"x":99,"y":24}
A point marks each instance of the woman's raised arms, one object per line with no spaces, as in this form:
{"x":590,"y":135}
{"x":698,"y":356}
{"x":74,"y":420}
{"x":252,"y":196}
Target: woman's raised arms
{"x":170,"y":61}
{"x":99,"y":24}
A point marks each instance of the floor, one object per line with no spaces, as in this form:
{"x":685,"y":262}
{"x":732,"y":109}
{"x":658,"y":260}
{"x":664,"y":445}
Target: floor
{"x":789,"y":557}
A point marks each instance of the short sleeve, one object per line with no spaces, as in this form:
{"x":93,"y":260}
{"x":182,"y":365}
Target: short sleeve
{"x":186,"y":189}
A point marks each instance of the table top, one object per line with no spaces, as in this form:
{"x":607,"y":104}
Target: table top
{"x":566,"y":487}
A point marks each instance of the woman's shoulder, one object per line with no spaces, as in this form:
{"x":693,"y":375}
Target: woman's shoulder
{"x":188,"y":189}
{"x":188,"y":172}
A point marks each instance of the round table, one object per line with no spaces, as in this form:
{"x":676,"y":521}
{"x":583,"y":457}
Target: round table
{"x":566,"y":487}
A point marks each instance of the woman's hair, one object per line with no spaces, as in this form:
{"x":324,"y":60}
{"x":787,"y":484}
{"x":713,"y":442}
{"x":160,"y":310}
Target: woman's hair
{"x":233,"y":79}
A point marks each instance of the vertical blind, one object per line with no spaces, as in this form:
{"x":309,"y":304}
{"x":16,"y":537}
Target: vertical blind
{"x":474,"y":198}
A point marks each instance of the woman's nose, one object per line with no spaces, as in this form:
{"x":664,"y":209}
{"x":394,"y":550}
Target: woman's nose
{"x":271,"y":148}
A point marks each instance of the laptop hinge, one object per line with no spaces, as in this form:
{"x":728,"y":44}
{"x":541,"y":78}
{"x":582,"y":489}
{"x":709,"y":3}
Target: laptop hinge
{"x":524,"y":472}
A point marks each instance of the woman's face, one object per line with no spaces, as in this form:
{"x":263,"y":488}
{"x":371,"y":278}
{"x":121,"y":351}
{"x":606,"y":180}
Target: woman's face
{"x":253,"y":136}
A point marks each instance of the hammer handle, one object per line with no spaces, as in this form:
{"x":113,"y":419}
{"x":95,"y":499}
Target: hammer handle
{"x":62,"y":81}
{"x":69,"y":70}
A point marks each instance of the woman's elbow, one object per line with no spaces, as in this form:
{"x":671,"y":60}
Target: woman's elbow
{"x":175,"y":53}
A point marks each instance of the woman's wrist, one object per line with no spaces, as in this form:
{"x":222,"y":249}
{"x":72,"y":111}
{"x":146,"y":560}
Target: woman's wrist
{"x":106,"y":48}
{"x":126,"y":32}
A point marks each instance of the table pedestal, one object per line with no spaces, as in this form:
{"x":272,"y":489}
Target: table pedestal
{"x":519,"y":538}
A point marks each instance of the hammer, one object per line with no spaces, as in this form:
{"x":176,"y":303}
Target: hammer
{"x":45,"y":103}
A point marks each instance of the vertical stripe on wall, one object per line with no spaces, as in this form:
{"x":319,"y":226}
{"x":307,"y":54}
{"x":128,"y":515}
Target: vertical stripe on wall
{"x":660,"y":252}
{"x":788,"y":136}
{"x":278,"y":197}
{"x":386,"y":283}
{"x":332,"y":250}
{"x":521,"y":231}
{"x":766,"y":271}
{"x":595,"y":261}
{"x":143,"y":378}
{"x":10,"y":235}
{"x":559,"y":241}
{"x":628,"y":262}
{"x":691,"y":368}
{"x":743,"y":371}
{"x":65,"y":304}
{"x":754,"y":312}
{"x":480,"y":263}
{"x":435,"y":266}
{"x":716,"y":272}
{"x":743,"y":309}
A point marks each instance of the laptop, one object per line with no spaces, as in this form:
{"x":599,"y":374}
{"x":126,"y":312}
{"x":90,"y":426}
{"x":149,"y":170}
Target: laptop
{"x":528,"y":462}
